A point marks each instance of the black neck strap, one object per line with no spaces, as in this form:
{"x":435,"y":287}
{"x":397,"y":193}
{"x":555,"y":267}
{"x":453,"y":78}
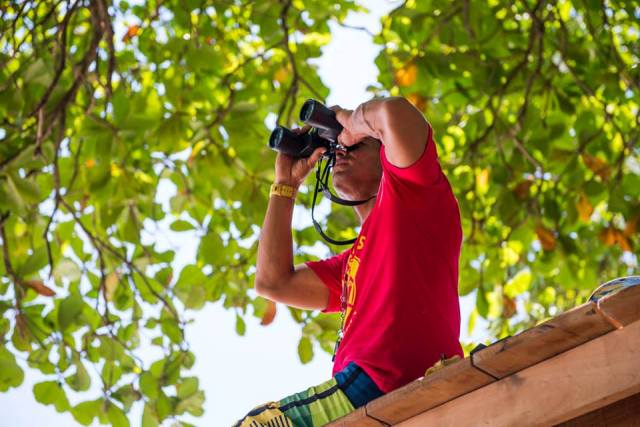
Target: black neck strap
{"x":322,"y":185}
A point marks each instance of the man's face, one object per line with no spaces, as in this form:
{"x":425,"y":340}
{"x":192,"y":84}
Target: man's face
{"x":357,"y":172}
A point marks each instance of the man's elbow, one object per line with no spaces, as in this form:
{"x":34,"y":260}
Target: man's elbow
{"x":266,"y":288}
{"x":398,"y":106}
{"x":261,"y":285}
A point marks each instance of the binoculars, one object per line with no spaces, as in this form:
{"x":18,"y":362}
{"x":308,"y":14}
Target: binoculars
{"x":324,"y":132}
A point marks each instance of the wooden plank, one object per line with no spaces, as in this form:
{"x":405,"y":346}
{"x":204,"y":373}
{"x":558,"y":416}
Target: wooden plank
{"x":583,"y":379}
{"x":356,"y":418}
{"x":623,"y":413}
{"x":425,"y":393}
{"x":624,"y":306}
{"x":534,"y":345}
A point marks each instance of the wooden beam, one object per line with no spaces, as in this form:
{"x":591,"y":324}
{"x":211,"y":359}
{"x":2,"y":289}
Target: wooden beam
{"x":624,"y":306}
{"x":357,"y":418}
{"x":583,"y":379}
{"x":541,"y":342}
{"x":425,"y":393}
{"x":623,"y":413}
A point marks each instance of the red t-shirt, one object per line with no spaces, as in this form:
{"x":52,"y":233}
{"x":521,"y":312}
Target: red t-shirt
{"x":401,"y":276}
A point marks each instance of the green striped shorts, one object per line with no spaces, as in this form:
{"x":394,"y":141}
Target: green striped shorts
{"x":347,"y":390}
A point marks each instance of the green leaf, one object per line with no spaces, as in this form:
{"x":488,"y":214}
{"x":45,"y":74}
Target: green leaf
{"x":85,"y":412}
{"x":117,"y":417}
{"x":472,"y":321}
{"x":66,"y":268}
{"x":111,"y":373}
{"x":149,"y":385}
{"x":191,"y":404}
{"x":36,"y":261}
{"x":27,"y":188}
{"x":181,"y":225}
{"x":69,"y":310}
{"x":51,"y":393}
{"x":38,"y":72}
{"x":210,"y":249}
{"x":80,"y":381}
{"x":163,"y":406}
{"x":305,"y":350}
{"x":241,"y":327}
{"x":482,"y":304}
{"x":11,"y":375}
{"x":204,"y":58}
{"x":120,"y":105}
{"x":188,"y":387}
{"x":149,"y":417}
{"x":172,"y":330}
{"x":127,"y":395}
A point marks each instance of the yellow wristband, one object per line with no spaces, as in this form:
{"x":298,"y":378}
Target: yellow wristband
{"x":283,"y":190}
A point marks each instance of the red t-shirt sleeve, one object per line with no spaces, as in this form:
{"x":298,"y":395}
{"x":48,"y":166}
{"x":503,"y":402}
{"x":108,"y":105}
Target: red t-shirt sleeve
{"x":330,"y":272}
{"x":424,"y":171}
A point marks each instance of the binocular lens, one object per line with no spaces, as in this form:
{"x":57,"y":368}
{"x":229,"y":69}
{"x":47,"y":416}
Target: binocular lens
{"x":293,"y":144}
{"x":276,"y":137}
{"x":324,"y":133}
{"x":316,"y":114}
{"x":307,"y":110}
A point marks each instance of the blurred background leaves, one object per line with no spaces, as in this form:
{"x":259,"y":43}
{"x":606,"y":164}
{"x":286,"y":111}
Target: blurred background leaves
{"x":120,"y":121}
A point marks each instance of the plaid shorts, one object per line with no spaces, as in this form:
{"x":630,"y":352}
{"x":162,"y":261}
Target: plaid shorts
{"x":347,"y":390}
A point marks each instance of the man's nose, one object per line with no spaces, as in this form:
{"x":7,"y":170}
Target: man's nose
{"x":341,"y":153}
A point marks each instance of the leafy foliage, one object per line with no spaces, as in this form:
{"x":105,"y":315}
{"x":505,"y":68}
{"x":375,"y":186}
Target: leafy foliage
{"x":122,"y":121}
{"x":535,"y":109}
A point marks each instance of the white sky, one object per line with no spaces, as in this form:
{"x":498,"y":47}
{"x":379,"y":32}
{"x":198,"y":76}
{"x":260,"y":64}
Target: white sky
{"x":239,"y":373}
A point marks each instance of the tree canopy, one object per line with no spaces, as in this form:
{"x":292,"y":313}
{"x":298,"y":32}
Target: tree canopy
{"x":122,"y":120}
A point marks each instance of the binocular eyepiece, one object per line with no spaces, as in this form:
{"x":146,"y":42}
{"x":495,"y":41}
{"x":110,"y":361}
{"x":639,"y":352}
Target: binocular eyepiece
{"x":324,"y":132}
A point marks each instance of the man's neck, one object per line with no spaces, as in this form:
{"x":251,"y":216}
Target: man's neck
{"x":364,"y":210}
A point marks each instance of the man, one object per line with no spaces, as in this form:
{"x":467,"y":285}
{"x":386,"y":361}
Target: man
{"x":397,"y":286}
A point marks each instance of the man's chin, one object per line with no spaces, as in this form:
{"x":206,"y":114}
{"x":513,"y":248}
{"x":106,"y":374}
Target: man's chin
{"x":338,"y":183}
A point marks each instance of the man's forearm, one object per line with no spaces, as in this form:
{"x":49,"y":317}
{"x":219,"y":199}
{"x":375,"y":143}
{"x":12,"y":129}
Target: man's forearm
{"x":371,"y":117}
{"x":396,"y":123}
{"x":275,"y":248}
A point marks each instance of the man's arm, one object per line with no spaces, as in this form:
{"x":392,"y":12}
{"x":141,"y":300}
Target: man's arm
{"x":276,"y":277}
{"x":395,"y":121}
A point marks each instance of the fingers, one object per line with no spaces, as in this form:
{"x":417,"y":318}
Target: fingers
{"x":315,"y":156}
{"x":345,"y":138}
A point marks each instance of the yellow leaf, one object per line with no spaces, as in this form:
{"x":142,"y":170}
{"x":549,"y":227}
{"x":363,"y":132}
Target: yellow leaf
{"x":281,"y":75}
{"x":440,"y":364}
{"x":39,"y":287}
{"x":608,"y":236}
{"x":132,"y":31}
{"x":522,"y":189}
{"x":632,"y":226}
{"x":612,"y":236}
{"x":482,"y":181}
{"x":546,"y":237}
{"x":597,"y":165}
{"x":584,"y":208}
{"x":115,"y":170}
{"x":406,"y":76}
{"x":418,"y":101}
{"x":110,"y":285}
{"x":269,"y":313}
{"x":623,"y":242}
{"x":508,"y":307}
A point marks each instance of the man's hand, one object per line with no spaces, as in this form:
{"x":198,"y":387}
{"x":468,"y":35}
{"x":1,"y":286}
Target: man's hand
{"x":394,"y":121}
{"x":349,"y":136}
{"x":292,"y":171}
